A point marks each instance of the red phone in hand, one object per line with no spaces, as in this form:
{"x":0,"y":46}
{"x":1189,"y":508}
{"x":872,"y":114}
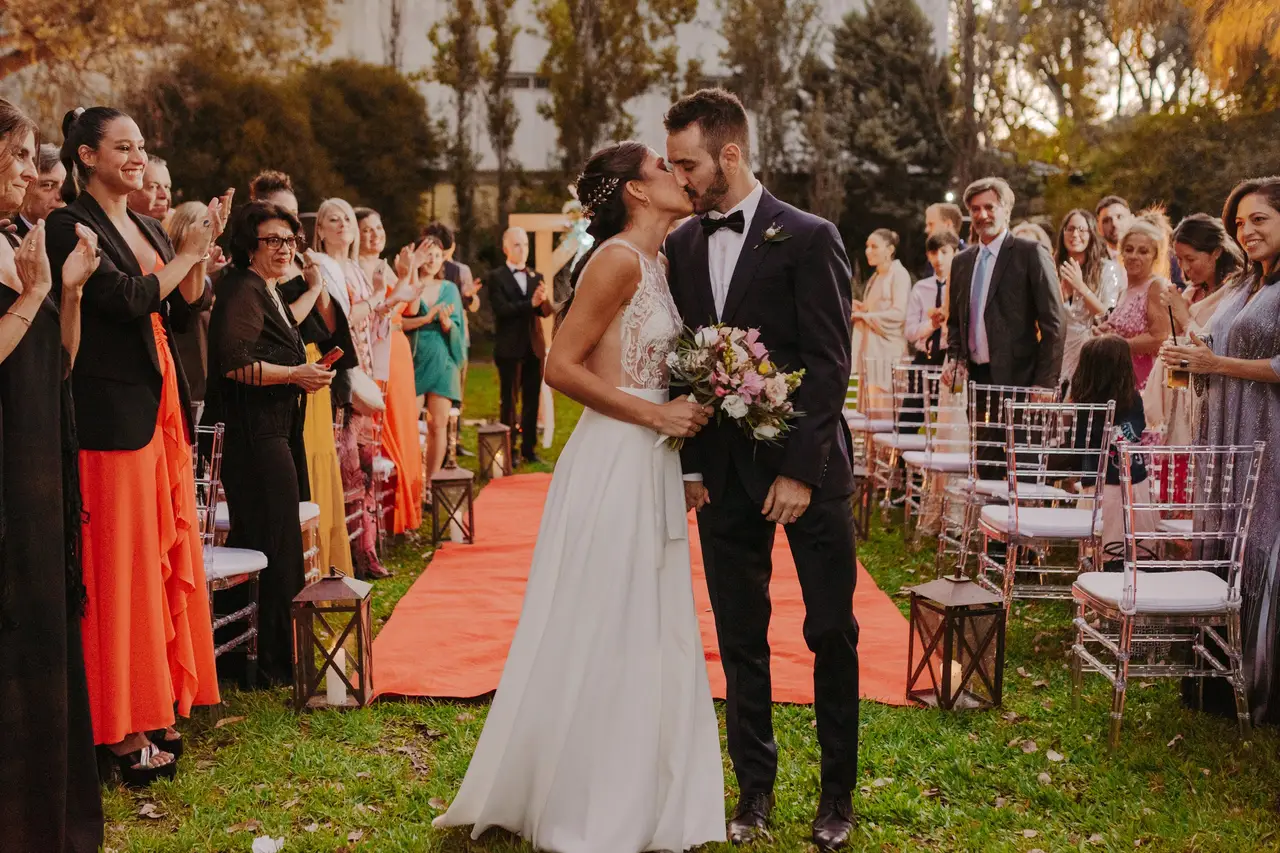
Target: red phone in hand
{"x":330,"y":358}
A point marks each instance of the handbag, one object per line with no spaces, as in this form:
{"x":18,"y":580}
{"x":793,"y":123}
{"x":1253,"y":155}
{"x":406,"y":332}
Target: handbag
{"x":366,"y":397}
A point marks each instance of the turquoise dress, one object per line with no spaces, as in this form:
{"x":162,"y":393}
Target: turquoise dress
{"x":438,"y":355}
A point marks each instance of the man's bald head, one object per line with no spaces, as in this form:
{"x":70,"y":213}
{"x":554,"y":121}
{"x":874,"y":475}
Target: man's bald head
{"x":515,"y":245}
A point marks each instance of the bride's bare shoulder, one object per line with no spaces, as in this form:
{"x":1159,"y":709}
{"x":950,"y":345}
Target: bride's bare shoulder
{"x":613,"y":270}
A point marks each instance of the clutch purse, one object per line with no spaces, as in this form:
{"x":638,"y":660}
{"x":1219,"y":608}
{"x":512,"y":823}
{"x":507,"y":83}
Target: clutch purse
{"x":365,"y":395}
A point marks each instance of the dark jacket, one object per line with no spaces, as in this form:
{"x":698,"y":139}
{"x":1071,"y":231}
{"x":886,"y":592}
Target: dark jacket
{"x":518,"y":324}
{"x":797,"y":292}
{"x":116,"y":382}
{"x":1023,"y":299}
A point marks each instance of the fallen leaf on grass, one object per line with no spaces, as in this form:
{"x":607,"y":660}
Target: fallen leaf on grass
{"x":973,"y":737}
{"x":1029,"y":746}
{"x":1040,"y":682}
{"x":1000,"y":801}
{"x":355,"y":835}
{"x":364,"y":774}
{"x":311,"y":827}
{"x":1010,"y":717}
{"x":881,"y":782}
{"x":1097,"y":838}
{"x":1029,"y":833}
{"x":437,"y":804}
{"x":1035,"y":850}
{"x":1044,"y":779}
{"x":1146,"y":685}
{"x":1204,"y":771}
{"x":465,"y":717}
{"x":291,"y":804}
{"x":247,"y":826}
{"x":1022,"y":670}
{"x":151,"y":810}
{"x":1055,"y":756}
{"x":267,"y":844}
{"x":228,"y":721}
{"x":930,"y":792}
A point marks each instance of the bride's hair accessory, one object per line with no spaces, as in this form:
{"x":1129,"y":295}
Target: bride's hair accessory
{"x":594,"y":197}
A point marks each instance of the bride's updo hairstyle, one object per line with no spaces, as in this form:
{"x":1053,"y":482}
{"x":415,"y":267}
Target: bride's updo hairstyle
{"x":601,"y":192}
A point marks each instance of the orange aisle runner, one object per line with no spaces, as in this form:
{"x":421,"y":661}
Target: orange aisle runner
{"x":448,"y":637}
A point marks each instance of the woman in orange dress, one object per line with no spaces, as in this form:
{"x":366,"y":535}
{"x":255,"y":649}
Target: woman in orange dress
{"x":400,"y":440}
{"x":147,"y":632}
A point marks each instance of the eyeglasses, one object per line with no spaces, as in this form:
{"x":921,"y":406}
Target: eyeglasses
{"x":275,"y":243}
{"x":1076,"y":229}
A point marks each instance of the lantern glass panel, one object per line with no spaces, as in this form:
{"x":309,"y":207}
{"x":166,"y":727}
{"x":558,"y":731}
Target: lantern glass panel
{"x":957,"y":650}
{"x":332,"y":645}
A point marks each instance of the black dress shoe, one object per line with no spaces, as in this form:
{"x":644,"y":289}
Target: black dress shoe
{"x":750,"y":820}
{"x":531,"y":459}
{"x":834,"y":822}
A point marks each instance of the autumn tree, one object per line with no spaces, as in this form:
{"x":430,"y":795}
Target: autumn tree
{"x":500,"y":111}
{"x":458,"y":66}
{"x":766,"y":44}
{"x":600,"y":55}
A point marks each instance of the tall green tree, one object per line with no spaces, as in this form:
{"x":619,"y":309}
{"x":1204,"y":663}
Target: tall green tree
{"x":458,"y":66}
{"x":896,"y":127}
{"x":600,"y":55}
{"x":501,"y":119}
{"x":766,"y":44}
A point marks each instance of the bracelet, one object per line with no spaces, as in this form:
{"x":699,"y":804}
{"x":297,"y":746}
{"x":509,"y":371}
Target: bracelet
{"x":19,"y":316}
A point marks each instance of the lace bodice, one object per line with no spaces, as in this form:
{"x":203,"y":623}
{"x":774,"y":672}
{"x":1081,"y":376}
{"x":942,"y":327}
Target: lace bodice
{"x":651,"y":325}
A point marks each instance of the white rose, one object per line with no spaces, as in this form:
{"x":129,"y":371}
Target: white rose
{"x":734,"y":406}
{"x":706,"y":337}
{"x":673,"y":360}
{"x":775,"y":390}
{"x":740,"y":355}
{"x":765,"y":432}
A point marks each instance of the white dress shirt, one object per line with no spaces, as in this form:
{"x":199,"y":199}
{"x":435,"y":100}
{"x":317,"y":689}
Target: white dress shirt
{"x":522,"y":278}
{"x":979,"y":352}
{"x":724,"y":246}
{"x":918,"y":329}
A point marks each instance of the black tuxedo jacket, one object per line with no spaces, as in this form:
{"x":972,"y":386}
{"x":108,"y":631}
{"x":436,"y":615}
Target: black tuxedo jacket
{"x":518,"y":329}
{"x":20,"y":226}
{"x":1026,"y":324}
{"x":797,"y":292}
{"x":116,"y":380}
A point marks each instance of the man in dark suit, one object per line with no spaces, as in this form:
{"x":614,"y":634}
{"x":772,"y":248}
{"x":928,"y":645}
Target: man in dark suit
{"x":45,"y":195}
{"x":751,"y":261}
{"x":520,"y":301}
{"x":1006,"y":322}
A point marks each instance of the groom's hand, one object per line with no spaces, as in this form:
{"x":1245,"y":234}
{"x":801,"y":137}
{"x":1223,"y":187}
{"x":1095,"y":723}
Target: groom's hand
{"x":787,"y":500}
{"x":696,"y":495}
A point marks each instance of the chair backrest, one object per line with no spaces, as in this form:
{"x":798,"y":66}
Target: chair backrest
{"x":986,"y":415}
{"x":1050,"y":444}
{"x":1214,"y":499}
{"x":872,"y":388}
{"x":914,"y":385}
{"x":208,"y":462}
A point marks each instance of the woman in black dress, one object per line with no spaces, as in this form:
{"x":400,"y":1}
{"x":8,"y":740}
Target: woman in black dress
{"x":50,"y":799}
{"x":258,"y":381}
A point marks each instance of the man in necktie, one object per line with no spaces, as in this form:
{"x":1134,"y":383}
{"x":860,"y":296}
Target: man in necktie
{"x":520,"y":301}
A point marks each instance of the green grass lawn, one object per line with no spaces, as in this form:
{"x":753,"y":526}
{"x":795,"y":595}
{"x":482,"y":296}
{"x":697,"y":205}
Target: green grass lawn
{"x":372,"y":780}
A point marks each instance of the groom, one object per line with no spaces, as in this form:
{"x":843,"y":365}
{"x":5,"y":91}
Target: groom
{"x":751,"y":261}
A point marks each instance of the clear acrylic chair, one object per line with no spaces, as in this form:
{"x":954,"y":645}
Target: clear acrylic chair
{"x":868,"y":406}
{"x":225,"y":568}
{"x":945,"y":456}
{"x":1048,"y":446}
{"x":352,"y":493}
{"x":908,"y":416}
{"x":987,"y":481}
{"x":1158,"y":601}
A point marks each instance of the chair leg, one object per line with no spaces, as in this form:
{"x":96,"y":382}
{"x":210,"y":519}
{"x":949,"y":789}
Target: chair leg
{"x":1077,"y":661}
{"x":1122,"y":681}
{"x":251,"y":648}
{"x":1011,"y":554}
{"x":1237,"y":674}
{"x":940,"y":555}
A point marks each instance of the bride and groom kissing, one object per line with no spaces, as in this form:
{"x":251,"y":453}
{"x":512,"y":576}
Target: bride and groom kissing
{"x":602,"y":736}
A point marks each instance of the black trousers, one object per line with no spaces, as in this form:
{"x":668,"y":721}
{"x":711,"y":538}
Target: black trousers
{"x":261,"y":481}
{"x":736,"y":545}
{"x":521,"y":377}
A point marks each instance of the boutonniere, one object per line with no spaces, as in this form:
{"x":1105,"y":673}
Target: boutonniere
{"x":775,"y":233}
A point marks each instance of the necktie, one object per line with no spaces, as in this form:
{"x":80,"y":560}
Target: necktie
{"x":977,"y":301}
{"x":934,"y":344}
{"x":734,"y":222}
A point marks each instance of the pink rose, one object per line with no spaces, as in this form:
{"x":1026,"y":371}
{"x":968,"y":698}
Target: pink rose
{"x":721,"y":392}
{"x":753,"y":335}
{"x":758,"y":350}
{"x":752,"y":385}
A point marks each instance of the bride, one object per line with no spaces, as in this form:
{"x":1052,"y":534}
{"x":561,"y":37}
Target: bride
{"x":602,"y":737}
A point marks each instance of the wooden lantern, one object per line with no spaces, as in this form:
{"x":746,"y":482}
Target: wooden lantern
{"x":332,"y":644}
{"x":956,"y":658}
{"x":453,"y":506}
{"x":494,"y":450}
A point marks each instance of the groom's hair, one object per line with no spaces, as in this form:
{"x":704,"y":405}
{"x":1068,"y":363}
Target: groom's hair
{"x":720,"y":116}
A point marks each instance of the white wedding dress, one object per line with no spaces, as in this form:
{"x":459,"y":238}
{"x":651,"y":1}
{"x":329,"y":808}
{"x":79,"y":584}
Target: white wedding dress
{"x":602,"y":737}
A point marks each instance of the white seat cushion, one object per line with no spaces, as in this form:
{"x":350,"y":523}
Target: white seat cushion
{"x":859,"y":422}
{"x":382,"y":466}
{"x":1031,"y":491}
{"x":308,"y":511}
{"x":1161,"y":592}
{"x":1185,"y":526}
{"x":902,"y":442}
{"x":232,"y":562}
{"x":1041,"y":522}
{"x":948,"y":463}
{"x":222,"y":517}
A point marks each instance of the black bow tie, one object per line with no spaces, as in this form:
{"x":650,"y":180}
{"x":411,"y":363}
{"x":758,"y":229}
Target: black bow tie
{"x":734,"y":222}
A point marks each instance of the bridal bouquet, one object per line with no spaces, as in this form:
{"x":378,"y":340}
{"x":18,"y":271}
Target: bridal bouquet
{"x":729,"y":370}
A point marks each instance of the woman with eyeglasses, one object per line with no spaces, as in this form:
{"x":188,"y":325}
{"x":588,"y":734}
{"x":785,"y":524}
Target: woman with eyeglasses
{"x":1090,"y":281}
{"x":258,"y":381}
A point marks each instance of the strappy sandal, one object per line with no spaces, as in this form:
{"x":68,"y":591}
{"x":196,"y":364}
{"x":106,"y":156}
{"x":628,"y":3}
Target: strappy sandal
{"x":164,"y":744}
{"x":135,"y":768}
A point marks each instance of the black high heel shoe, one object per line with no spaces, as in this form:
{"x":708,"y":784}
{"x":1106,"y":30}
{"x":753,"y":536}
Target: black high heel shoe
{"x":173,"y":747}
{"x":133,"y":767}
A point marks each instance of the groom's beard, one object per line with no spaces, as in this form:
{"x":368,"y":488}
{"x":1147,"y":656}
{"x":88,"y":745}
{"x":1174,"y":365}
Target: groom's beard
{"x":707,"y":200}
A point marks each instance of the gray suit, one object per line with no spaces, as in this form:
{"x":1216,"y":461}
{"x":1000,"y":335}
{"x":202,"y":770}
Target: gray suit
{"x":1022,"y":300}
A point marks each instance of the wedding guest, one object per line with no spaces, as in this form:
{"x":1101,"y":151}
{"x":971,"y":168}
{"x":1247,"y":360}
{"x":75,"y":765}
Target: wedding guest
{"x":400,"y":437}
{"x":51,"y":800}
{"x":1240,"y":367}
{"x":156,"y":195}
{"x":942,"y":216}
{"x":1113,"y":214}
{"x":926,"y":308}
{"x":337,"y":239}
{"x":44,"y":196}
{"x":192,"y":343}
{"x":1031,"y":231}
{"x":259,"y":378}
{"x":878,"y":335}
{"x":520,"y":300}
{"x":468,"y":285}
{"x":1139,"y":317}
{"x":1089,"y":282}
{"x":148,"y":642}
{"x":324,"y":328}
{"x":438,"y":349}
